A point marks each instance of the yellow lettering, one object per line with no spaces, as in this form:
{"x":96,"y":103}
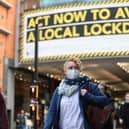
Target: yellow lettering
{"x":106,"y":30}
{"x":41,"y":38}
{"x":95,"y":12}
{"x":67,"y":32}
{"x":58,"y":33}
{"x":80,"y":16}
{"x":125,"y":27}
{"x":74,"y":30}
{"x":86,"y":33}
{"x":46,"y":20}
{"x":127,"y":11}
{"x":31,"y":23}
{"x":37,"y":21}
{"x":104,"y":14}
{"x":58,"y":19}
{"x":31,"y":37}
{"x":49,"y":34}
{"x":116,"y":28}
{"x":120,"y":13}
{"x":68,"y":17}
{"x":96,"y":29}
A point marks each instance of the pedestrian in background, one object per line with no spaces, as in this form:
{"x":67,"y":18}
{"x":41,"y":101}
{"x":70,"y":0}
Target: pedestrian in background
{"x":110,"y":107}
{"x":124,"y":113}
{"x":3,"y":113}
{"x":71,"y":98}
{"x":21,"y":120}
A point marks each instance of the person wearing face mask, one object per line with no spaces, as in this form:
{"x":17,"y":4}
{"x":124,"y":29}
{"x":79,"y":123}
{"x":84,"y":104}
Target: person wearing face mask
{"x":124,"y":113}
{"x":69,"y":103}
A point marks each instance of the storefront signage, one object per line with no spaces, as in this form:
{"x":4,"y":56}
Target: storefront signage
{"x":82,"y":31}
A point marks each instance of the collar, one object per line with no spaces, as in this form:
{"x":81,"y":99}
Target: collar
{"x":79,"y":81}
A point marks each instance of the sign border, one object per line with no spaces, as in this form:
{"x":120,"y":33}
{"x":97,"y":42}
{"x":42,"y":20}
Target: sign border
{"x":82,"y":55}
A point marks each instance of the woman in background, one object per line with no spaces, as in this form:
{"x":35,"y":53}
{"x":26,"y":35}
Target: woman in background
{"x":124,"y":112}
{"x":105,"y":89}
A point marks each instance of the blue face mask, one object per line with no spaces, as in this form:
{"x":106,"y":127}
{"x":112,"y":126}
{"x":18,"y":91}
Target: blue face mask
{"x":73,"y":73}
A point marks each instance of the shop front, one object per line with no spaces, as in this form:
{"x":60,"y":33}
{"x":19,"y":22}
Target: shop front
{"x":96,"y":32}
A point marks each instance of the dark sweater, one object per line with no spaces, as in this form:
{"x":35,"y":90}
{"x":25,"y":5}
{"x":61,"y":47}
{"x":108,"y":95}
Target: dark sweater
{"x":124,"y":114}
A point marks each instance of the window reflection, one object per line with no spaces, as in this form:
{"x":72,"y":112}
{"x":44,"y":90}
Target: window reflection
{"x":46,"y":3}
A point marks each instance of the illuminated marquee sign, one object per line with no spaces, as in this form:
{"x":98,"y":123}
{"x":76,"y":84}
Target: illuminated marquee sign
{"x":83,"y":31}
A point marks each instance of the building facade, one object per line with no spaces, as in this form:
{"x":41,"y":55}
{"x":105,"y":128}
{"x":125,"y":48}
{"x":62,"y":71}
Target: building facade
{"x":94,"y":30}
{"x":8,"y":10}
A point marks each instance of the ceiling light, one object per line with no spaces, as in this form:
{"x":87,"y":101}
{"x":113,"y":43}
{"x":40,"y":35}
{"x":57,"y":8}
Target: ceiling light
{"x":29,"y":68}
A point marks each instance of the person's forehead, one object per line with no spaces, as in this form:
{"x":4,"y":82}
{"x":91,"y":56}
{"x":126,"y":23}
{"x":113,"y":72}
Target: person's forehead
{"x":71,"y":63}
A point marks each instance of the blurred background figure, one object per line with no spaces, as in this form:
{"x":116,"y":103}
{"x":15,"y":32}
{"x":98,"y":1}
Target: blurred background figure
{"x":106,"y":90}
{"x":21,"y":120}
{"x":124,"y":113}
{"x":28,"y":121}
{"x":3,"y":113}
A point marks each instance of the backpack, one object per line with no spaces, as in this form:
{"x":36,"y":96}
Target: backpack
{"x":97,"y":117}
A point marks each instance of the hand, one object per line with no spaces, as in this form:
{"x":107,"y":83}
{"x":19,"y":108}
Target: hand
{"x":83,"y":92}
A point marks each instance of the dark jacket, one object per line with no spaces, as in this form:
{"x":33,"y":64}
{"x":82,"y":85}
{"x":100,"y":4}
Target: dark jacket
{"x":93,"y":96}
{"x":124,"y":114}
{"x":111,"y":106}
{"x":3,"y":114}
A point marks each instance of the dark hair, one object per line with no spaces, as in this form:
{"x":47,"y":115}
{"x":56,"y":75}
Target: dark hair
{"x":104,"y":85}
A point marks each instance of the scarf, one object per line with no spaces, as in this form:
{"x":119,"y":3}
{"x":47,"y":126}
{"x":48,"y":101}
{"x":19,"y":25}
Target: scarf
{"x":68,"y":87}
